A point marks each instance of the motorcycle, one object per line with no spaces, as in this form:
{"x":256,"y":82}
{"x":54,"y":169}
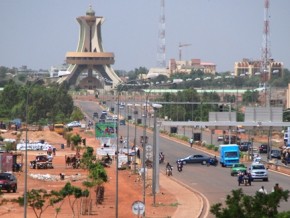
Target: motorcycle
{"x":179,"y":166}
{"x":213,"y":162}
{"x":161,"y":158}
{"x":244,"y":179}
{"x":169,"y":171}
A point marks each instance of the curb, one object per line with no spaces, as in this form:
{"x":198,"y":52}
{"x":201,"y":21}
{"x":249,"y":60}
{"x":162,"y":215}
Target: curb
{"x":203,"y":211}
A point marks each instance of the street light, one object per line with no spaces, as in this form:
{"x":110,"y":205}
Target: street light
{"x":127,"y":113}
{"x":26,"y":154}
{"x":155,"y":172}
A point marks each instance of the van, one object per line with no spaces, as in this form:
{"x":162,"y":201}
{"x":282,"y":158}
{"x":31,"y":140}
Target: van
{"x":59,"y":128}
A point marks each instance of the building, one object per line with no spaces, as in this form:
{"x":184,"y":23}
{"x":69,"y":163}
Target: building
{"x":250,"y":68}
{"x":176,"y":66}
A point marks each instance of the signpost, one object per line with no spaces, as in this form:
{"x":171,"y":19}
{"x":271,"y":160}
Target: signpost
{"x":138,"y":208}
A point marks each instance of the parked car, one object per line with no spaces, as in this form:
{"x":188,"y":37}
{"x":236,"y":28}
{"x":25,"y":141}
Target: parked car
{"x":74,"y":124}
{"x":220,"y":138}
{"x":8,"y":182}
{"x":195,"y":158}
{"x":263,"y":148}
{"x":258,"y":171}
{"x":236,"y":168}
{"x":276,"y":154}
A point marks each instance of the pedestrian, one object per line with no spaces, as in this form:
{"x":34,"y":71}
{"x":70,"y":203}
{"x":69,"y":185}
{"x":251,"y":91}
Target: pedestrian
{"x":263,"y":190}
{"x":191,"y":142}
{"x":277,"y":188}
{"x":138,"y":153}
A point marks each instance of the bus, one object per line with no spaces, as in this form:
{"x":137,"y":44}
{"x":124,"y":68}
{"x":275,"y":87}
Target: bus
{"x":58,"y":128}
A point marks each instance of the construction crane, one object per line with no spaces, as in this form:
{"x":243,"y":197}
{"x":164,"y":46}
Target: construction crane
{"x":180,"y":46}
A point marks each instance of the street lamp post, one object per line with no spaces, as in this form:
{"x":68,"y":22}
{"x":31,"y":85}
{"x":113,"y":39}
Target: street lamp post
{"x":127,"y":113}
{"x":155,"y":173}
{"x":144,"y":157}
{"x":117,"y":158}
{"x":26,"y":153}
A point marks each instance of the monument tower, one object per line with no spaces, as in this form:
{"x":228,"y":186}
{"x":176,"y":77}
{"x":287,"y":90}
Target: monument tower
{"x":89,"y":65}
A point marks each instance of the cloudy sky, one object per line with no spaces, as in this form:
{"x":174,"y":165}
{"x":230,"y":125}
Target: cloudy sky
{"x":39,"y":33}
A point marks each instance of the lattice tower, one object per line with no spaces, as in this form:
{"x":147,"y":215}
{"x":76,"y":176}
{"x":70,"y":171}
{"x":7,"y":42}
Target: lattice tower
{"x":161,"y":62}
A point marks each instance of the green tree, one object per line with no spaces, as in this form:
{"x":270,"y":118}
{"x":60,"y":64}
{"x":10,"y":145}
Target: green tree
{"x":250,"y":97}
{"x":241,"y":205}
{"x":76,"y":139}
{"x":39,"y":200}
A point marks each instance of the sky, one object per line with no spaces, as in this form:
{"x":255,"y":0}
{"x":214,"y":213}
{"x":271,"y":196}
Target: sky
{"x":39,"y":33}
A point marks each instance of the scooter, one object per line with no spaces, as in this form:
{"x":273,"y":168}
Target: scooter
{"x":213,"y":162}
{"x":169,"y":171}
{"x":161,"y":158}
{"x":179,"y":166}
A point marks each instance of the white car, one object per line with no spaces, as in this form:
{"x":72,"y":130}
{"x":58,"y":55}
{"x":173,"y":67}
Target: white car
{"x":259,"y":171}
{"x":74,"y":124}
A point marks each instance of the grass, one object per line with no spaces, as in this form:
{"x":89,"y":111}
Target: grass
{"x":175,"y":204}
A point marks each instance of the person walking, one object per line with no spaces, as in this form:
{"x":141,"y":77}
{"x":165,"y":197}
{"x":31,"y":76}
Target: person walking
{"x":263,"y":190}
{"x":191,"y":142}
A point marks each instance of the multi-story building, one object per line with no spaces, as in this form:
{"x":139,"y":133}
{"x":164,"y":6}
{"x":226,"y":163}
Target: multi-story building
{"x":250,"y":68}
{"x":176,"y":66}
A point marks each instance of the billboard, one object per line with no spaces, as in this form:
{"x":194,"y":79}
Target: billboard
{"x":106,"y":130}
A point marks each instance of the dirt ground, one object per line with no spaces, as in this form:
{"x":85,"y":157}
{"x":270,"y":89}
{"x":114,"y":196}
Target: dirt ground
{"x":130,"y":185}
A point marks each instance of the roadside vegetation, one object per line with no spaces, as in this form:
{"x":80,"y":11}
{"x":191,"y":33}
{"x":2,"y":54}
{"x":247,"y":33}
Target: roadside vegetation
{"x":240,"y":205}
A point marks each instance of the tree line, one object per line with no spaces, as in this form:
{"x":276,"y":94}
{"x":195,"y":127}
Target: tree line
{"x":44,"y":104}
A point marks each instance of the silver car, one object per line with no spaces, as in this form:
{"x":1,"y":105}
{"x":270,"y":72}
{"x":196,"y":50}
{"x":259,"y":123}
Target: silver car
{"x":259,"y":171}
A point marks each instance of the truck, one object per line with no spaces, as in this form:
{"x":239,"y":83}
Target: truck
{"x":229,"y":154}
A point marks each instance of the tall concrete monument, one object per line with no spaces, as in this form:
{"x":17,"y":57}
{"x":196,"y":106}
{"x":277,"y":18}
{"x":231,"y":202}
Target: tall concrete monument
{"x":89,"y":65}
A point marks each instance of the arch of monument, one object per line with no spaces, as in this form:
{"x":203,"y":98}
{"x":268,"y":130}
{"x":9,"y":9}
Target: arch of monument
{"x":89,"y":65}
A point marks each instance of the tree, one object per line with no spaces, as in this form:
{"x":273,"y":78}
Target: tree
{"x":39,"y":200}
{"x":250,"y":97}
{"x":261,"y":205}
{"x":76,"y":139}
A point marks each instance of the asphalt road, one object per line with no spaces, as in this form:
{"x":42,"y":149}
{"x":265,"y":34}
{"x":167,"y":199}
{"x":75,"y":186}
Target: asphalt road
{"x":213,"y":182}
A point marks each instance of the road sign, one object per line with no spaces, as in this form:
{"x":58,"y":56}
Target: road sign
{"x":138,"y":207}
{"x":149,"y":155}
{"x":148,"y":148}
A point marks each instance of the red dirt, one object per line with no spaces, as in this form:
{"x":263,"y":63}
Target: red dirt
{"x":130,"y":186}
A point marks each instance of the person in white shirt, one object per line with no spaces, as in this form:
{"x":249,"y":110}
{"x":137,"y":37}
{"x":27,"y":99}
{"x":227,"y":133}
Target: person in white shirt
{"x":263,"y":190}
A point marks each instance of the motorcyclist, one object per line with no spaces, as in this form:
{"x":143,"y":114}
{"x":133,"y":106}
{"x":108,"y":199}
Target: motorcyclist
{"x":161,"y":157}
{"x":179,"y":165}
{"x":168,"y":168}
{"x":249,"y":178}
{"x":240,"y":177}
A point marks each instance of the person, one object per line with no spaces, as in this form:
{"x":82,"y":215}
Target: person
{"x":249,"y":177}
{"x":168,"y":168}
{"x":240,"y":177}
{"x":179,"y":165}
{"x":121,"y":139}
{"x":191,"y":142}
{"x":161,"y":157}
{"x":276,"y":188}
{"x":54,"y":151}
{"x":138,"y":153}
{"x":263,"y":190}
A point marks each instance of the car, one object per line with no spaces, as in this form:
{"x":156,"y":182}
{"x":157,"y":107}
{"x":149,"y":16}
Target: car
{"x":122,"y":123}
{"x":95,"y":115}
{"x":236,"y":168}
{"x":8,"y":182}
{"x":276,"y":154}
{"x":245,"y":146}
{"x":220,"y":138}
{"x":259,"y":171}
{"x":195,"y":158}
{"x":74,"y":124}
{"x":263,"y":148}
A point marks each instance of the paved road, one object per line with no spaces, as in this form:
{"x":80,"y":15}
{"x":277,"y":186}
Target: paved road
{"x":214,"y":182}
